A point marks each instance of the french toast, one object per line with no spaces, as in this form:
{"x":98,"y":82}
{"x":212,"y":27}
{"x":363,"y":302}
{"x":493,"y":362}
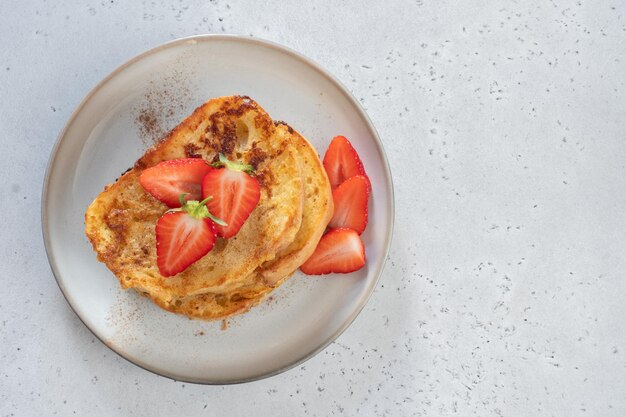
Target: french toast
{"x":317,"y":211}
{"x":120,"y":222}
{"x":281,"y":232}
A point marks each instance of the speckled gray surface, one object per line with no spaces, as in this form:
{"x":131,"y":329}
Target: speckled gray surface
{"x":504,"y":124}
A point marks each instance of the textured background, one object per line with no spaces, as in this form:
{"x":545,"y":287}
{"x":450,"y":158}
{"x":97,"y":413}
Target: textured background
{"x":504,"y":123}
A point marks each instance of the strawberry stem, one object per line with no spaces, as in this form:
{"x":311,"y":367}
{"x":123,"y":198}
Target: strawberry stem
{"x":233,"y":166}
{"x":197,"y":209}
{"x":206,"y":200}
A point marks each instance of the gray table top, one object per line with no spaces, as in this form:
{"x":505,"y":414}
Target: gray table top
{"x":504,"y":127}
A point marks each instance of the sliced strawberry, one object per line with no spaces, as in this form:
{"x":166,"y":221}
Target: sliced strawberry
{"x":341,"y":161}
{"x":235,"y":194}
{"x":167,"y":180}
{"x":340,"y":250}
{"x":183,"y":236}
{"x":350,"y":200}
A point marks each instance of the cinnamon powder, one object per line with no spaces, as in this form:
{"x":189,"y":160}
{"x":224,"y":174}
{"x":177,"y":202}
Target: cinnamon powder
{"x":162,"y":107}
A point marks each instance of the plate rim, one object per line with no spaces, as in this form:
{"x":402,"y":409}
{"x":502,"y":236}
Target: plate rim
{"x":257,"y":42}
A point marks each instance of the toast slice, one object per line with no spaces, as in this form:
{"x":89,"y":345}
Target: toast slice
{"x":120,"y":223}
{"x":317,"y":211}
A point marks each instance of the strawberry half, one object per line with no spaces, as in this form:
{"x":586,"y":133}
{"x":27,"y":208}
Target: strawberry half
{"x":341,"y":161}
{"x":167,"y":180}
{"x":183,"y":236}
{"x":350,"y":200}
{"x":235,"y":194}
{"x":340,"y":250}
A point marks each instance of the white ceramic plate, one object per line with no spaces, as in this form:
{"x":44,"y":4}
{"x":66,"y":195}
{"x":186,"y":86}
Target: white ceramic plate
{"x":103,"y":138}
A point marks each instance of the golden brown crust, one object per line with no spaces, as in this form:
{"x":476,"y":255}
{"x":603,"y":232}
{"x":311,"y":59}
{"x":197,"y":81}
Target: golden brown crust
{"x":212,"y":306}
{"x":120,"y":222}
{"x":317,"y":211}
{"x":281,"y":233}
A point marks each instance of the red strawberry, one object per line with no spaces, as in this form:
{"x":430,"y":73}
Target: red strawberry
{"x":167,"y":180}
{"x":183,"y":236}
{"x":339,"y":250}
{"x":350,"y":200}
{"x":235,"y":194}
{"x":341,"y":161}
